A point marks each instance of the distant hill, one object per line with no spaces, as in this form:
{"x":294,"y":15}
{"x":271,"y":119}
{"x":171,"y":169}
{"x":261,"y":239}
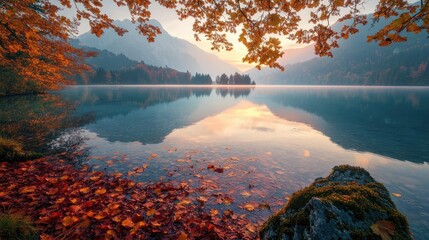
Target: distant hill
{"x":105,"y":59}
{"x":166,"y":51}
{"x":358,"y":62}
{"x":113,"y":69}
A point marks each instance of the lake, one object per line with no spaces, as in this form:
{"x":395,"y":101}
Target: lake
{"x":255,"y":144}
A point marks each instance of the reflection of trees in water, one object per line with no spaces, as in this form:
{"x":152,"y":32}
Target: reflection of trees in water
{"x":234,"y":91}
{"x":35,"y":120}
{"x":390,"y":122}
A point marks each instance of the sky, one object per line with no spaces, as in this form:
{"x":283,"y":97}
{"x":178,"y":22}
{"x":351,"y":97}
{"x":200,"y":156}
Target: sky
{"x":183,"y":29}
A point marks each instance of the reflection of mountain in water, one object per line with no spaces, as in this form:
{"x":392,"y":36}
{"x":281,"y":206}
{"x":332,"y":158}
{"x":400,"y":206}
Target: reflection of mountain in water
{"x":389,"y":122}
{"x":145,"y":114}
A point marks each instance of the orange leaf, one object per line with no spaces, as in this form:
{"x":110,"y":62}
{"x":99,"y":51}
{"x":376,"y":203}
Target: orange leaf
{"x":398,"y":195}
{"x":111,"y":232}
{"x":100,"y":216}
{"x":182,"y":236}
{"x":141,"y":224}
{"x":128,"y":223}
{"x":214,"y":212}
{"x":84,"y":190}
{"x":68,"y":221}
{"x":151,"y":212}
{"x":116,"y":219}
{"x":100,"y":191}
{"x":27,"y":189}
{"x":249,"y":207}
{"x":245,"y":194}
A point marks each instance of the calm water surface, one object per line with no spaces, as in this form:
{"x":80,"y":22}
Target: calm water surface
{"x":274,"y":139}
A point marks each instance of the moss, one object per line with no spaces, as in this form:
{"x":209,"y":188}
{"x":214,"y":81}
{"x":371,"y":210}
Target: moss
{"x":13,"y":226}
{"x":11,"y":151}
{"x":365,"y":202}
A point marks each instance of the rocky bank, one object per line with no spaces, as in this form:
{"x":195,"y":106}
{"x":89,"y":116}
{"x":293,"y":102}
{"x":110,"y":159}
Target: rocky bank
{"x":347,"y":204}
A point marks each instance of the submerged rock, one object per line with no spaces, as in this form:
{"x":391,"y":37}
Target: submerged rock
{"x":348,"y":204}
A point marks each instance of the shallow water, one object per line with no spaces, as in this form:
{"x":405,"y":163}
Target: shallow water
{"x":269,"y":141}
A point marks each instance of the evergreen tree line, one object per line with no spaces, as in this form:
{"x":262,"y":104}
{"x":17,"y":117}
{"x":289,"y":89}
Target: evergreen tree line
{"x":236,"y":79}
{"x":142,"y":74}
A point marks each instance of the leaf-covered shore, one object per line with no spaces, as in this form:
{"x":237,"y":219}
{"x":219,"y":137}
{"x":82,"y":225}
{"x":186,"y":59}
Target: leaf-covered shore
{"x":69,"y":203}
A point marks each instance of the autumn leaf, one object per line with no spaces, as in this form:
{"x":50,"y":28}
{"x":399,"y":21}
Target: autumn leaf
{"x":140,"y":224}
{"x":28,"y":189}
{"x":249,"y":207}
{"x":182,"y":236}
{"x":150,"y":212}
{"x":398,"y":195}
{"x":384,"y":229}
{"x":100,"y":191}
{"x":202,"y":199}
{"x":100,"y":216}
{"x":184,"y":202}
{"x":111,"y":233}
{"x":214,"y":212}
{"x":68,"y":220}
{"x":245,"y":194}
{"x":251,"y":228}
{"x":84,"y":190}
{"x":127,"y":223}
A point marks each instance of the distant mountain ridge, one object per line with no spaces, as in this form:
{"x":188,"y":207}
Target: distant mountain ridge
{"x":166,"y":51}
{"x":357,"y":62}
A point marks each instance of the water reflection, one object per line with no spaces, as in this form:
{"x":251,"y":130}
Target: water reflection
{"x":275,"y":139}
{"x":390,"y":122}
{"x":35,"y":121}
{"x":146,"y":114}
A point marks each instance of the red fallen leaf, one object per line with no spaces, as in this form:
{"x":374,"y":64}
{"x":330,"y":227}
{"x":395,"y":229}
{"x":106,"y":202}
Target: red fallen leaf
{"x":55,"y":215}
{"x":210,"y":167}
{"x":127,"y":223}
{"x":219,"y":170}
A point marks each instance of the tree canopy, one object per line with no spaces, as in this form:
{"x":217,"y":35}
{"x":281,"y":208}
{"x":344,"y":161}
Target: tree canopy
{"x":33,"y":33}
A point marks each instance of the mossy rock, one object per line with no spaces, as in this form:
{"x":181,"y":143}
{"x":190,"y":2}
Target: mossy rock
{"x":348,"y":204}
{"x":17,"y":227}
{"x":12,"y":151}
